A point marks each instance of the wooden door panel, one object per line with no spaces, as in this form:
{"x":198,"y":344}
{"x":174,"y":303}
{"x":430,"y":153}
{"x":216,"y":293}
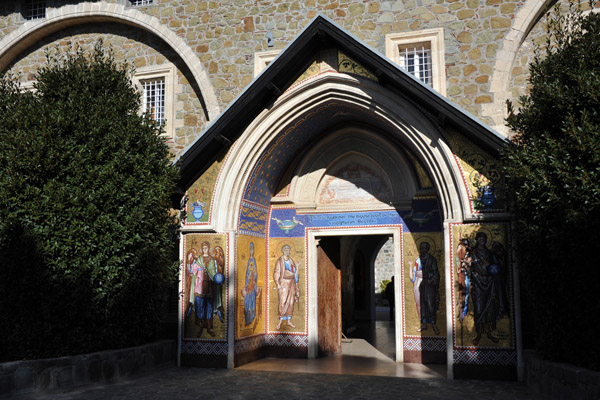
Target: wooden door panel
{"x":330,"y":305}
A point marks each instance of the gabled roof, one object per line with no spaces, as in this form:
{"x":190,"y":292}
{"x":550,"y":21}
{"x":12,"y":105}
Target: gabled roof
{"x":322,"y":33}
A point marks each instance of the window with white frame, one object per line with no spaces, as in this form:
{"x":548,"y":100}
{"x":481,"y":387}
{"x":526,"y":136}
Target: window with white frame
{"x":156,"y":84}
{"x":141,"y":2}
{"x":263,"y":59}
{"x":416,"y":59}
{"x":35,"y":9}
{"x":420,"y":53}
{"x":153,"y":100}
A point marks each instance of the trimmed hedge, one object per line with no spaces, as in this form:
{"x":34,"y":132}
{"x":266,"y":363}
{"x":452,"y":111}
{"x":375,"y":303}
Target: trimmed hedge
{"x":86,"y":232}
{"x":553,"y":171}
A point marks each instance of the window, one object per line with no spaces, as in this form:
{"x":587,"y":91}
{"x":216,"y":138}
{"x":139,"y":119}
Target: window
{"x":420,"y":53}
{"x":153,"y":100}
{"x":35,"y":9}
{"x":141,"y":2}
{"x":262,"y":59}
{"x":156,"y":84}
{"x":416,"y":59}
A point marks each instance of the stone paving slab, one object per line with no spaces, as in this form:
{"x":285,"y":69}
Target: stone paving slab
{"x":196,"y":383}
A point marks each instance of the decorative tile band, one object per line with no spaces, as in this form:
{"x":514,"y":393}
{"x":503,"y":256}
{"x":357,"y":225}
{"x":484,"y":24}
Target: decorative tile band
{"x":244,"y":345}
{"x":199,"y":347}
{"x":425,"y":344}
{"x":287,"y":340}
{"x":487,"y":357}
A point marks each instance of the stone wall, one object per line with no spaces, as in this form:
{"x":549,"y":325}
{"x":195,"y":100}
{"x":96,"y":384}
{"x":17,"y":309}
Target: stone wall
{"x":29,"y":376}
{"x":139,"y":49}
{"x":384,"y":269}
{"x":225,"y":35}
{"x":559,"y":380}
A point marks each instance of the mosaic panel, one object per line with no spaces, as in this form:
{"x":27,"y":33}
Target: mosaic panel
{"x":253,"y":219}
{"x":205,"y":271}
{"x":250,"y":286}
{"x":424,"y":284}
{"x":348,"y":65}
{"x":313,"y":69}
{"x":481,"y":173}
{"x":482,"y":291}
{"x":287,"y":297}
{"x":422,"y":177}
{"x":200,"y":194}
{"x":424,"y":216}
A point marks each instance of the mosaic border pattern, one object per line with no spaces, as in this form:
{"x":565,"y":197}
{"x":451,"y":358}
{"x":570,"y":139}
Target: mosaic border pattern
{"x":286,"y":340}
{"x":245,"y":345}
{"x":425,"y":344}
{"x":197,"y":347}
{"x":480,"y":357}
{"x":252,"y":220}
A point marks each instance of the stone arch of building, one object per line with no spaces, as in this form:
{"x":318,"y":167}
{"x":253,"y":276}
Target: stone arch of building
{"x":82,"y":13}
{"x":407,"y":124}
{"x":524,"y":22}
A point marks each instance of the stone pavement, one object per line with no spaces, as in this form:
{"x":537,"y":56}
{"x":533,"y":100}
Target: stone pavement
{"x":201,"y":384}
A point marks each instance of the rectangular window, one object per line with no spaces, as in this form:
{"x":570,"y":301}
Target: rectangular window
{"x":263,"y":59}
{"x":416,"y":59}
{"x":156,"y":84}
{"x":141,"y":2}
{"x":421,"y":54}
{"x":154,"y":98}
{"x":35,"y":9}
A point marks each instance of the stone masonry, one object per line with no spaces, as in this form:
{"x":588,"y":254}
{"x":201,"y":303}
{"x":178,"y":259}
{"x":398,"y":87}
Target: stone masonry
{"x":224,"y":37}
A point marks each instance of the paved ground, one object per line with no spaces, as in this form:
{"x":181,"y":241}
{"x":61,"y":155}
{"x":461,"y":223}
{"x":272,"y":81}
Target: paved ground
{"x":201,"y":384}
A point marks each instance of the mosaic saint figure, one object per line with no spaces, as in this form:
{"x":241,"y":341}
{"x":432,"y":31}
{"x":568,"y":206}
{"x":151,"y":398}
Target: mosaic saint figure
{"x":416,"y":277}
{"x":217,"y":288}
{"x":192,"y":254}
{"x":202,"y":272}
{"x":486,"y":289}
{"x":250,"y":291}
{"x":463,"y":258}
{"x":429,"y":288}
{"x":285,"y":276}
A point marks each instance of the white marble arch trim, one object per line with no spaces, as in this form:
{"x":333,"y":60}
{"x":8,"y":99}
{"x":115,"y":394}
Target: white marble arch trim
{"x":66,"y":16}
{"x":413,"y":129}
{"x":523,"y":23}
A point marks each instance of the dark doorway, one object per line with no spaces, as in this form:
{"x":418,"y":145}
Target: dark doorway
{"x":350,"y":260}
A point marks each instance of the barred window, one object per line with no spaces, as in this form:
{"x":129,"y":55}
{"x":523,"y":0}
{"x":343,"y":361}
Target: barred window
{"x":420,"y":53}
{"x":416,"y":59}
{"x":141,"y":2}
{"x":154,"y":98}
{"x":35,"y":9}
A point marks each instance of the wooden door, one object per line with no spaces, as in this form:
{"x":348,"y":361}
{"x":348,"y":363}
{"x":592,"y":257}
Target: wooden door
{"x":330,"y":304}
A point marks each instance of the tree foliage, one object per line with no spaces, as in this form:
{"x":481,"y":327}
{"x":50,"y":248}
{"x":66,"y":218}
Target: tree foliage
{"x":86,"y":233}
{"x":553,"y":171}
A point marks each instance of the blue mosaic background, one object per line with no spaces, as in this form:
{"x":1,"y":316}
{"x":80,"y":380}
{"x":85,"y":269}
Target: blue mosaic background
{"x":424,"y":216}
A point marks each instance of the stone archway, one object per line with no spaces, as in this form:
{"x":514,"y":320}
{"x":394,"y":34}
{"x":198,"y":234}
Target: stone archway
{"x":71,"y":15}
{"x":364,"y":100}
{"x":524,"y":21}
{"x":376,"y":119}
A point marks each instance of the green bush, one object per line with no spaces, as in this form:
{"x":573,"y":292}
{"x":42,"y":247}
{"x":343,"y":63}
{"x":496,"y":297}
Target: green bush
{"x":86,"y":233}
{"x":553,"y":170}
